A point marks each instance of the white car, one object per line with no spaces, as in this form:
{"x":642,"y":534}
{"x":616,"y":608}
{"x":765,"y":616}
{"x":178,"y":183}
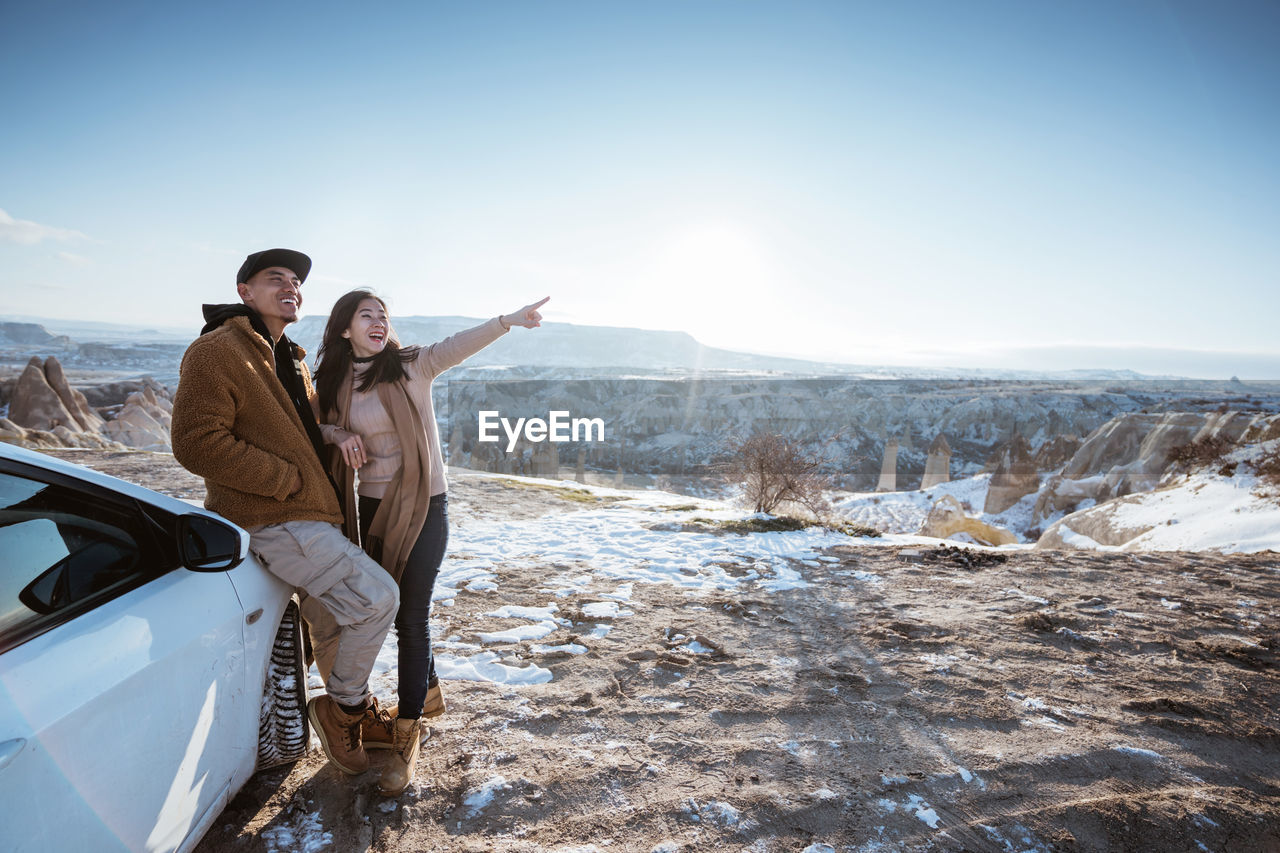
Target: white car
{"x":148,"y":664}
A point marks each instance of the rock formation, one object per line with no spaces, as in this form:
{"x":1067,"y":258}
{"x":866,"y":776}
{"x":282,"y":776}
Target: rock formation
{"x":948,"y":519}
{"x":87,"y":440}
{"x":11,"y":433}
{"x":35,"y":405}
{"x":1260,"y":430}
{"x":32,"y":334}
{"x":545,"y":460}
{"x":457,"y":456}
{"x":1099,"y":518}
{"x":1092,"y":527}
{"x":47,"y":412}
{"x":938,"y":467}
{"x":106,"y":394}
{"x":889,"y":468}
{"x":1056,"y":452}
{"x":1014,"y":477}
{"x":76,"y":403}
{"x":60,"y":436}
{"x":144,"y":422}
{"x":1131,"y":453}
{"x":847,"y":421}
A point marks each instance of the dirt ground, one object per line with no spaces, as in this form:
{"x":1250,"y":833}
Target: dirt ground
{"x":907,"y":699}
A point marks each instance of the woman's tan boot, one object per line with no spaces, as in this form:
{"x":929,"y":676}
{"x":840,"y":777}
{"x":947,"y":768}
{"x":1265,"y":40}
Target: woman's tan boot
{"x":398,"y":773}
{"x":434,"y":704}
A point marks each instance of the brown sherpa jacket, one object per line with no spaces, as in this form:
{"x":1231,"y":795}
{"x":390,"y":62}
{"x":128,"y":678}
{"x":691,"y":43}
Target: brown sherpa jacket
{"x":234,"y":425}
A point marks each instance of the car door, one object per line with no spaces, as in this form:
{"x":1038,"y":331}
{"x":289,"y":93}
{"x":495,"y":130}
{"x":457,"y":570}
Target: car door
{"x":121,"y":674}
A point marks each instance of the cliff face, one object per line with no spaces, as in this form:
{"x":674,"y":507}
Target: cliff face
{"x":1132,"y":453}
{"x":32,"y":334}
{"x":1015,"y":475}
{"x":679,"y":426}
{"x":1113,"y":489}
{"x":687,"y":402}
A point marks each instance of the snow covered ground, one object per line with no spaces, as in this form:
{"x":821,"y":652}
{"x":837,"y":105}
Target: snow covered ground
{"x":1147,"y":680}
{"x":633,"y":541}
{"x":542,"y":613}
{"x":622,"y":544}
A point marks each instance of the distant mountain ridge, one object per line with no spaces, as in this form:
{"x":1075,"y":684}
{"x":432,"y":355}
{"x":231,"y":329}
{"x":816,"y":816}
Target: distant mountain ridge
{"x":571,"y":345}
{"x":98,"y":332}
{"x":32,"y":334}
{"x":557,"y":347}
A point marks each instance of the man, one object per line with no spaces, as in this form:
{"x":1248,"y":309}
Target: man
{"x":242,"y":419}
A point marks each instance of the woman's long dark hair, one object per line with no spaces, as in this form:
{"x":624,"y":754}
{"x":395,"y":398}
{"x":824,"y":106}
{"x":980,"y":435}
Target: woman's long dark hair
{"x":335,"y":356}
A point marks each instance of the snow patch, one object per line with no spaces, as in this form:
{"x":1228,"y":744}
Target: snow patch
{"x":536,"y":614}
{"x":477,"y":799}
{"x":566,"y":648}
{"x":486,"y":667}
{"x":303,"y":834}
{"x":604,"y":610}
{"x":718,"y":813}
{"x":923,"y":811}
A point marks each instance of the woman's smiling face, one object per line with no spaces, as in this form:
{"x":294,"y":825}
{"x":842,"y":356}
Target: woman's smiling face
{"x":370,"y":327}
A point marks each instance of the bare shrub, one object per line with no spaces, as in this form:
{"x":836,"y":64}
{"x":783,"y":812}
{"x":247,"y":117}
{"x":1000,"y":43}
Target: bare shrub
{"x":1202,"y":452}
{"x":850,"y":528}
{"x":773,"y":469}
{"x":1268,"y":466}
{"x":786,"y":523}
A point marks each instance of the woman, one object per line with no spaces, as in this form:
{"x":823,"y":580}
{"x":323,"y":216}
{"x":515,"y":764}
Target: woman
{"x":375,"y":405}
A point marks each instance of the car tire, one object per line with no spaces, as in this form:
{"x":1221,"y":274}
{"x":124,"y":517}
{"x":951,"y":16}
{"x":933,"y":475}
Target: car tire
{"x":284,"y":733}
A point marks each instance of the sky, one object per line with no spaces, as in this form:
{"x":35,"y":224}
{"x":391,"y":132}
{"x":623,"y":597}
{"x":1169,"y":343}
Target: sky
{"x":1046,"y":185}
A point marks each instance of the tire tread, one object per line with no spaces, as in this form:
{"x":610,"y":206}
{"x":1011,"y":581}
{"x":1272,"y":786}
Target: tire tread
{"x":284,"y":733}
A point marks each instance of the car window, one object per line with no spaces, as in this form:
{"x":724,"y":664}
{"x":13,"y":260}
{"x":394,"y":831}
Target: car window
{"x":63,"y":551}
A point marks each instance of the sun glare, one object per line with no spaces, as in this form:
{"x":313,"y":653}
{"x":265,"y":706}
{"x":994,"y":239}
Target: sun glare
{"x":716,"y":275}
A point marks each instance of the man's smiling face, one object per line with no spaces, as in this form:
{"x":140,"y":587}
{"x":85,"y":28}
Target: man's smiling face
{"x":276,"y":294}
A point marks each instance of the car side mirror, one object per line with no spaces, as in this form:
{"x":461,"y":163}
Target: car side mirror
{"x":79,"y":575}
{"x":208,"y":545}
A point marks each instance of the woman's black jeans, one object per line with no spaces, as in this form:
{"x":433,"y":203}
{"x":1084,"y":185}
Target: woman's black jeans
{"x":413,"y":629}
